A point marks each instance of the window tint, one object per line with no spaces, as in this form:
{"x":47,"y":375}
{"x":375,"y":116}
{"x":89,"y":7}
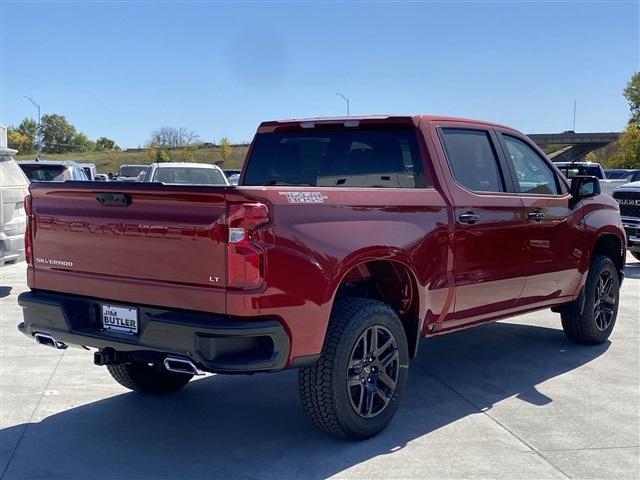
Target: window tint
{"x":472,"y":159}
{"x":46,"y":173}
{"x":534,"y":175}
{"x":352,"y":158}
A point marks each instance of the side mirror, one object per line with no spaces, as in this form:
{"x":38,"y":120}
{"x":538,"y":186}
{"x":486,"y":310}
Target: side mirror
{"x":584,"y":187}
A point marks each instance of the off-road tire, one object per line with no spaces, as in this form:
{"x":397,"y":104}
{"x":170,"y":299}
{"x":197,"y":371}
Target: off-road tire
{"x":582,"y":328}
{"x":323,"y":386}
{"x":141,"y":377}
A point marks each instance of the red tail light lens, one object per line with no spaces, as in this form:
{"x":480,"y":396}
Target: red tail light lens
{"x":28,"y":251}
{"x":245,"y":259}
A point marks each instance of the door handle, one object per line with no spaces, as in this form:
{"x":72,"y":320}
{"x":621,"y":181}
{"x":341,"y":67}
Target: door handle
{"x":469,"y":217}
{"x":536,"y":216}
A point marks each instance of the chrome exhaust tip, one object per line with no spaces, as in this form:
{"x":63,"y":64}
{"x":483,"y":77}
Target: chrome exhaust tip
{"x":181,"y":365}
{"x":48,"y":341}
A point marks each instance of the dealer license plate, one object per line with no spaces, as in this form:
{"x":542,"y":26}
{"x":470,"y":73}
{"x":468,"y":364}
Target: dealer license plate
{"x":120,"y":319}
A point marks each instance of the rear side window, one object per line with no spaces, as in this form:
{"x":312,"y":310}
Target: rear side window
{"x":357,"y":158}
{"x":472,"y":159}
{"x":534,"y":175}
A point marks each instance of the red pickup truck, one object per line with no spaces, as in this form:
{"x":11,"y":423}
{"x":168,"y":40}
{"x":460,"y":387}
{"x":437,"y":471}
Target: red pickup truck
{"x":346,"y":241}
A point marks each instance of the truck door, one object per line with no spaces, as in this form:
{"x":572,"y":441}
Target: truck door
{"x":555,"y":237}
{"x":488,"y":224}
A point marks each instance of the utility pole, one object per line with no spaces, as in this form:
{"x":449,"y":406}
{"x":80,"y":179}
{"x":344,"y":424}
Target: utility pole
{"x":346,"y":100}
{"x":39,"y":132}
{"x":575,"y":102}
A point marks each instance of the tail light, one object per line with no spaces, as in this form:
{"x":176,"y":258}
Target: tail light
{"x":28,"y":237}
{"x":245,"y":259}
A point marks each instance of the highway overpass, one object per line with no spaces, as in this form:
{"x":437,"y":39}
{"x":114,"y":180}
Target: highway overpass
{"x":574,"y":146}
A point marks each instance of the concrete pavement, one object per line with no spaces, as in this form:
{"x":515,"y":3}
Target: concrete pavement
{"x":512,"y":399}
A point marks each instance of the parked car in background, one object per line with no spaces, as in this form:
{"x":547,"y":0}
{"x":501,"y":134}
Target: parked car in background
{"x":52,"y":170}
{"x":14,"y":186}
{"x":630,"y":175}
{"x":129,"y":173}
{"x":573,"y":169}
{"x":628,"y":198}
{"x":89,"y":170}
{"x":347,"y":241}
{"x":233,"y":179}
{"x":232,"y":171}
{"x":591,"y":169}
{"x":101,"y":177}
{"x":176,"y":173}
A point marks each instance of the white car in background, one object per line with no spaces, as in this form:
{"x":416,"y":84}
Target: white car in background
{"x":181,"y":173}
{"x":13,"y":188}
{"x":52,"y":170}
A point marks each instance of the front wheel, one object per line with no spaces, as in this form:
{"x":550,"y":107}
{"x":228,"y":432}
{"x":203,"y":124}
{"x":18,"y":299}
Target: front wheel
{"x":354,"y":389}
{"x":602,"y":294}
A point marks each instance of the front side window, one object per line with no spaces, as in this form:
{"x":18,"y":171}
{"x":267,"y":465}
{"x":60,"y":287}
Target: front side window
{"x":534,"y":175}
{"x":340,"y":158}
{"x":473,"y":161}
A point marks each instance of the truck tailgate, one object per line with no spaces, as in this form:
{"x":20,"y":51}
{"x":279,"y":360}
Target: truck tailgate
{"x":139,"y":243}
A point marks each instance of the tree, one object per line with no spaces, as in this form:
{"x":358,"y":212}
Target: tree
{"x":632,"y":94}
{"x":81,"y":143}
{"x":630,"y":139}
{"x":19,"y":141}
{"x":57,"y":134}
{"x":225,"y":148}
{"x":591,"y":157}
{"x":25,"y":137}
{"x":104,"y":143}
{"x":173,"y":137}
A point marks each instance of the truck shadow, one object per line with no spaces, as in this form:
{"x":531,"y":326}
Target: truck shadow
{"x":254,"y":427}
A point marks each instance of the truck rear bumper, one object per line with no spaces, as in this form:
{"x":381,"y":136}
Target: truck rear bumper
{"x":214,"y":343}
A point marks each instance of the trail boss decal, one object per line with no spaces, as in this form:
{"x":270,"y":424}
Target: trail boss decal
{"x":304,"y":197}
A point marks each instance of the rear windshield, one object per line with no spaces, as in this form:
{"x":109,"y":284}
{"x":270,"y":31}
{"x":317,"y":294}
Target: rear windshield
{"x":131,"y":171}
{"x":358,"y":158}
{"x":193,"y":176}
{"x":570,"y":171}
{"x":46,"y":173}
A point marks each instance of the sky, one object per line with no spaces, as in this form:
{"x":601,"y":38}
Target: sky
{"x":121,"y":69}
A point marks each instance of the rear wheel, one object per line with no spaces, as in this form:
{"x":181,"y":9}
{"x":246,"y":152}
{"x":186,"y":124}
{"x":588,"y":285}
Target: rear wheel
{"x":595,"y":323}
{"x":142,"y":377}
{"x":354,"y":389}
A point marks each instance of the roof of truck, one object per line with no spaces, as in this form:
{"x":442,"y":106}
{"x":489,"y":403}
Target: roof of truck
{"x":398,"y":119}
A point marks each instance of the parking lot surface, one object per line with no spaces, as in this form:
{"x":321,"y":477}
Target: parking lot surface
{"x":513,"y":399}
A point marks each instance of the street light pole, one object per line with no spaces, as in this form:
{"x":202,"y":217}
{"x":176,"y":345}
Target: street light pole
{"x":38,"y":133}
{"x":346,"y":100}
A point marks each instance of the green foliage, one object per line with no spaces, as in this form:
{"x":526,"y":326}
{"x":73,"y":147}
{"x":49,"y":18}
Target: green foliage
{"x":632,"y":94}
{"x":163,"y":155}
{"x":57,"y":134}
{"x":225,"y":148}
{"x":81,"y":143}
{"x":25,"y":137}
{"x":630,"y":146}
{"x":19,"y":141}
{"x":104,"y":143}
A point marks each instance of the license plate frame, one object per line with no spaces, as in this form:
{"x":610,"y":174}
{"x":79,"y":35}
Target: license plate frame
{"x":120,"y":319}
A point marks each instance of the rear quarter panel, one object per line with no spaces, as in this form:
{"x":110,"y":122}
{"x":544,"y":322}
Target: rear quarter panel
{"x":311,"y":247}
